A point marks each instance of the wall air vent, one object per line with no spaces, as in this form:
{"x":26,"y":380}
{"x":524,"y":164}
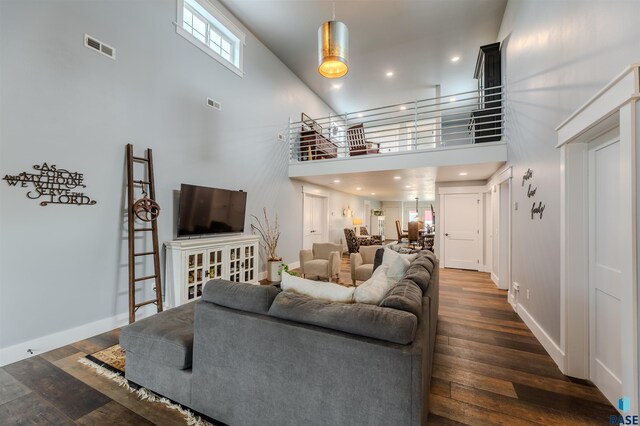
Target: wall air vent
{"x":214,"y":104}
{"x":94,"y":44}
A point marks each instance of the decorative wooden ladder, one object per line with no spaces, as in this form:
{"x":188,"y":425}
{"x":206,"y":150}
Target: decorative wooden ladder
{"x":147,"y":210}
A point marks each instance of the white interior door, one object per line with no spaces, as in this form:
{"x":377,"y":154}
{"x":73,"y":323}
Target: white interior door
{"x":607,"y":348}
{"x":461,"y":217}
{"x":315,"y":226}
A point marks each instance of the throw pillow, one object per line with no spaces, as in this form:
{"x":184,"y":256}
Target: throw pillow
{"x":398,"y":269}
{"x":317,"y":289}
{"x":373,"y":290}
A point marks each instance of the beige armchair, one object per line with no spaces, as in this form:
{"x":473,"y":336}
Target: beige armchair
{"x":322,"y":261}
{"x":362,"y":263}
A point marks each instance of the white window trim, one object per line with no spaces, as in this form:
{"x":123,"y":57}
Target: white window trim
{"x":239,"y":70}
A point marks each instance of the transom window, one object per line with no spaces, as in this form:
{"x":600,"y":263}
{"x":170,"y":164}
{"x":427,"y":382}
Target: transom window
{"x":208,"y":29}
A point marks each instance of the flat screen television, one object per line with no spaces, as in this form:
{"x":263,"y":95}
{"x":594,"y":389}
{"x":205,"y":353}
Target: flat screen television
{"x":206,"y":211}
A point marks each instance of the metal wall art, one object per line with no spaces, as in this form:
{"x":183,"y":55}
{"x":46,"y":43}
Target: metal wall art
{"x":52,"y":185}
{"x":531,"y":192}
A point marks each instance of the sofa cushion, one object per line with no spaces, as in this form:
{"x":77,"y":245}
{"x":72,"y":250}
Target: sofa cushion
{"x":365,"y":320}
{"x":317,"y":289}
{"x":242,"y":296}
{"x":421,"y":269}
{"x":405,"y":296}
{"x":165,"y":338}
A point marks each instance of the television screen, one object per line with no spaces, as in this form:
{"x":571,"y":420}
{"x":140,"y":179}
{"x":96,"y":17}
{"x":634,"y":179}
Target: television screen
{"x":206,"y":210}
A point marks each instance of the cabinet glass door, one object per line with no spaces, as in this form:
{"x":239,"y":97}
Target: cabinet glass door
{"x":249,"y":263}
{"x":195,"y":275}
{"x":235,"y":264}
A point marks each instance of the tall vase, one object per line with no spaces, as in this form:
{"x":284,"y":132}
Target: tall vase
{"x":273,"y":270}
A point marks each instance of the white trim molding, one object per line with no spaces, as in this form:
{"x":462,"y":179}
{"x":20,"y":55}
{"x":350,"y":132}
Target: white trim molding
{"x":49,"y":342}
{"x":611,"y":113}
{"x":552,"y":348}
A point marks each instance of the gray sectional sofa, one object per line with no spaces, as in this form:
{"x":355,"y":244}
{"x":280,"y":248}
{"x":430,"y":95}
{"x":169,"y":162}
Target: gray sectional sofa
{"x":249,"y":355}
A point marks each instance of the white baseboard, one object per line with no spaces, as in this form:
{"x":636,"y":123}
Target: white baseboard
{"x":294,"y":265}
{"x":495,"y":279}
{"x":43,"y":344}
{"x":550,"y":346}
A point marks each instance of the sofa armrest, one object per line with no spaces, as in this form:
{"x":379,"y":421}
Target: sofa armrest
{"x":305,"y":256}
{"x":355,"y":260}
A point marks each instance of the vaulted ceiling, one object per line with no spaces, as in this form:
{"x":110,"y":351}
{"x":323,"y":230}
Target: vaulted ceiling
{"x":413,"y":39}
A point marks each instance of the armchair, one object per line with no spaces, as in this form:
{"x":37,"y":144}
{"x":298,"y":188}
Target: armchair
{"x":375,"y":239}
{"x":354,"y":242}
{"x":357,"y":143}
{"x":322,"y":261}
{"x":362,"y":263}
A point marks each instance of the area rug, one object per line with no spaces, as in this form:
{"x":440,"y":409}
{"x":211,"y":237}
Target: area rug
{"x":111,"y":363}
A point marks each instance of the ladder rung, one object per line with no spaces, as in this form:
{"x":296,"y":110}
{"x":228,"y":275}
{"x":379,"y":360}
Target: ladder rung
{"x":146,"y":253}
{"x":141,"y":182}
{"x":148,"y":302}
{"x":148,"y":277}
{"x":142,"y":229}
{"x":140,"y":159}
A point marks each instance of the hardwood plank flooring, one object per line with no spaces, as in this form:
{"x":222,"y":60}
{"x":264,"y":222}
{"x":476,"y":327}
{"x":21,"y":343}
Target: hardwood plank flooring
{"x":488,"y":369}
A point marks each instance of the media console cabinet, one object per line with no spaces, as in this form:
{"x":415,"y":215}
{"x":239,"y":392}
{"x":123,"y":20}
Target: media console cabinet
{"x":191,"y":263}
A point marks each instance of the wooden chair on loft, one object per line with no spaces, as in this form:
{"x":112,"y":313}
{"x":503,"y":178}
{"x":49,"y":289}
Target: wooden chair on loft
{"x":358,"y":145}
{"x":413,"y":234}
{"x":401,"y":235}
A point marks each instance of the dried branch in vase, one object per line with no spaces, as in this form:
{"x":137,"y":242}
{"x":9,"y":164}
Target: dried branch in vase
{"x":269,"y":232}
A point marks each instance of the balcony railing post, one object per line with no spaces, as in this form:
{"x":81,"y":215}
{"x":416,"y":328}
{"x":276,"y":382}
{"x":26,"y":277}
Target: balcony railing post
{"x":346,"y":134}
{"x":415,"y":124}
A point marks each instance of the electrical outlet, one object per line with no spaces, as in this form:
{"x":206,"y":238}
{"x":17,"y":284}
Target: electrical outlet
{"x":527,"y":294}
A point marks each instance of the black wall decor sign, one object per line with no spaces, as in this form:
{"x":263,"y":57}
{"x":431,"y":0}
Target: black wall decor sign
{"x":52,"y":185}
{"x":531,"y":192}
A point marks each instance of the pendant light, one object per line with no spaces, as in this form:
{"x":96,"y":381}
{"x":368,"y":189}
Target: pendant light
{"x":333,"y":48}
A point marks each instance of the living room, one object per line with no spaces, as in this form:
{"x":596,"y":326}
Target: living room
{"x":64,"y":269}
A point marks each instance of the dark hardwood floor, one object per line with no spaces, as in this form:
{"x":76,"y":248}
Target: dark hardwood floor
{"x":489,"y":369}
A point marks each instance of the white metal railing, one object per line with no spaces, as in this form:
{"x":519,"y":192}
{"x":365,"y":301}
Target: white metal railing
{"x":460,"y":119}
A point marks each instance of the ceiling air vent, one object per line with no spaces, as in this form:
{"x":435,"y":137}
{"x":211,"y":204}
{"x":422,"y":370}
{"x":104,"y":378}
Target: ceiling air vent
{"x":214,"y":104}
{"x":95,"y":44}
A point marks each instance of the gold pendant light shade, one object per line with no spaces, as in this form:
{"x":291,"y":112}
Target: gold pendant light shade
{"x":333,"y":49}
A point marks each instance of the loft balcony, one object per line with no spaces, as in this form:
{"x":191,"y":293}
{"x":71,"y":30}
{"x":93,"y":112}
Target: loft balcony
{"x":458,"y":129}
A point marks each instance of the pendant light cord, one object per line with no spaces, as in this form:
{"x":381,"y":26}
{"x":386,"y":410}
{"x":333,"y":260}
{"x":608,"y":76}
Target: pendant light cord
{"x":333,"y":16}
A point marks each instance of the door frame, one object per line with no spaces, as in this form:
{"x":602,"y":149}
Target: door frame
{"x":475,"y":190}
{"x":616,"y":106}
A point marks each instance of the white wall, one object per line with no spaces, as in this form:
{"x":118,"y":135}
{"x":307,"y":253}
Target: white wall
{"x":558,"y":54}
{"x":61,"y":103}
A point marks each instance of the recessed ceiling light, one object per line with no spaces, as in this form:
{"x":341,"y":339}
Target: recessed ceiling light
{"x":358,"y":189}
{"x":373,"y":193}
{"x":336,"y":181}
{"x":397,"y":177}
{"x":402,"y":108}
{"x":455,"y":59}
{"x":463,"y":173}
{"x":452,"y":99}
{"x":337,"y":85}
{"x":389,"y":73}
{"x":359,"y":115}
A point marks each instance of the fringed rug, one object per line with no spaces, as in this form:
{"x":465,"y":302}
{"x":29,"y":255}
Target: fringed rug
{"x":111,"y":363}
